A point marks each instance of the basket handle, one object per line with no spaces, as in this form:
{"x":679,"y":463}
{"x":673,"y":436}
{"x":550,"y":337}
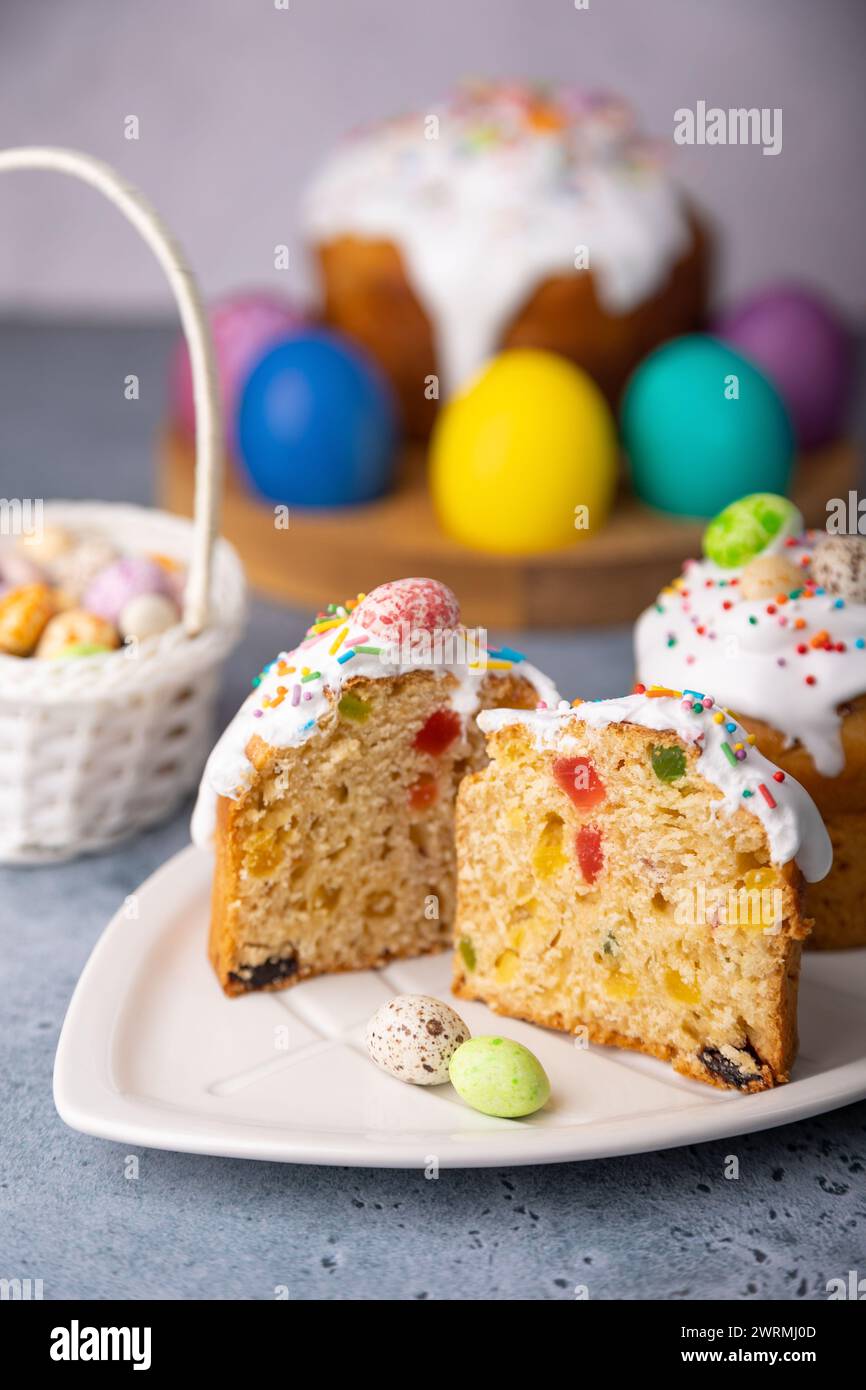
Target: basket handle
{"x":208,"y":422}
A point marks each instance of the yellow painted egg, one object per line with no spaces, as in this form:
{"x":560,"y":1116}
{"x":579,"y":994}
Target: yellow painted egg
{"x":524,"y":459}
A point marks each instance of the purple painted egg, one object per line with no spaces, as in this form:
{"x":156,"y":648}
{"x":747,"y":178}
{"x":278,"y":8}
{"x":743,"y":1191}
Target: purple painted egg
{"x":243,"y":327}
{"x":112,"y":588}
{"x":801,"y":342}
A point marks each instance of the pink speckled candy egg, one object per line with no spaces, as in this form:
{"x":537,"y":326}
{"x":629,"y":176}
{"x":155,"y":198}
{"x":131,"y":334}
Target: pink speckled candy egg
{"x":113,"y":587}
{"x":424,"y":605}
{"x":243,"y":327}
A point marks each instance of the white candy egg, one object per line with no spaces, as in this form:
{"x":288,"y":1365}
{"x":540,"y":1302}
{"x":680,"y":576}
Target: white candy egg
{"x":73,"y":569}
{"x":146,"y":615}
{"x":45,"y":545}
{"x":414,"y":1037}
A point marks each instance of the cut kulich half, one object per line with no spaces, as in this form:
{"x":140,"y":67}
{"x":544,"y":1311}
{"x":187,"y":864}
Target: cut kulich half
{"x":330,"y":798}
{"x":635,"y":868}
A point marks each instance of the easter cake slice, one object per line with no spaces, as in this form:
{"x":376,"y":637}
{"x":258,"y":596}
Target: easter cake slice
{"x":631,"y":870}
{"x":330,"y":797}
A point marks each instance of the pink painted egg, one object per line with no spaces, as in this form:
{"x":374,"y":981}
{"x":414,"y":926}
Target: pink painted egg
{"x":244,"y":326}
{"x":113,"y":587}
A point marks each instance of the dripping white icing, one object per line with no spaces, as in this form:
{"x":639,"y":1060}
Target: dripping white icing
{"x":794,"y":826}
{"x":754,"y":667}
{"x":289,"y":724}
{"x":501,"y":198}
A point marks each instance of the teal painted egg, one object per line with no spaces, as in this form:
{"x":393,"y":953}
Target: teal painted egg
{"x":702,"y":426}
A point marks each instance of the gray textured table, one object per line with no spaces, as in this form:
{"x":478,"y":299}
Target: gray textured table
{"x":662,"y":1226}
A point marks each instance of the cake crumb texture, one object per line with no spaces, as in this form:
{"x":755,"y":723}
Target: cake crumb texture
{"x":601,"y":892}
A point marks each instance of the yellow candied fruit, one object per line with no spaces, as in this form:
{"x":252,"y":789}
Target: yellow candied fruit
{"x":679,"y":990}
{"x":517,"y":938}
{"x":351,"y":707}
{"x":549,"y":856}
{"x":620,"y":986}
{"x":265,"y":853}
{"x":759,"y":902}
{"x":760,"y":878}
{"x":507,"y":966}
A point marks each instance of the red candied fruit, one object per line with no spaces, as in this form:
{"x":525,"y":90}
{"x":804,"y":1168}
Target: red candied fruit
{"x":590,"y":855}
{"x":438,"y":733}
{"x":579,"y":780}
{"x":423,"y":794}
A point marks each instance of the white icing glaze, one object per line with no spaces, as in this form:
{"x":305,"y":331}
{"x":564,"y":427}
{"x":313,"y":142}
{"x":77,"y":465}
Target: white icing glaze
{"x":794,"y":826}
{"x":690,"y":638}
{"x":501,"y":199}
{"x":295,"y":718}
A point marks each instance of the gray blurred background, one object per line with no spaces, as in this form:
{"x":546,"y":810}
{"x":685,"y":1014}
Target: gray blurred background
{"x":238,"y":100}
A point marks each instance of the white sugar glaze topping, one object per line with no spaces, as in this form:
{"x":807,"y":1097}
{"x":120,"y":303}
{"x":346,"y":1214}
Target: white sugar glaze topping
{"x":498,"y":197}
{"x":702,"y":633}
{"x":794,"y":826}
{"x":295,"y":717}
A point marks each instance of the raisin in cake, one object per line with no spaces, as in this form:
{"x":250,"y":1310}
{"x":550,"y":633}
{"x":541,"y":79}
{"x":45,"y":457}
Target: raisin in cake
{"x":775,"y":626}
{"x":329,"y":799}
{"x":634,"y":868}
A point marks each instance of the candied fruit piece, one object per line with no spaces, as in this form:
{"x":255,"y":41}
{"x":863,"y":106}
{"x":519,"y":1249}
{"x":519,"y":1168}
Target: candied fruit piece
{"x":578,"y":779}
{"x":264,"y":855}
{"x":549,"y":856}
{"x":438,"y":733}
{"x":507,"y":966}
{"x":590,"y":855}
{"x":351,"y":707}
{"x":761,"y":878}
{"x":760,"y":904}
{"x":467,"y":951}
{"x":423,"y":794}
{"x":679,"y":990}
{"x":620,"y":986}
{"x":669,"y":764}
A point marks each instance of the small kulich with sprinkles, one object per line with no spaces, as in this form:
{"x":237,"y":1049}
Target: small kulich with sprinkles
{"x":773,"y":621}
{"x":329,"y":800}
{"x":632,"y":871}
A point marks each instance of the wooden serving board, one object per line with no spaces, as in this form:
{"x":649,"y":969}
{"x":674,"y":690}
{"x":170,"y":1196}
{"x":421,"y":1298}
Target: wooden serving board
{"x":601,"y":579}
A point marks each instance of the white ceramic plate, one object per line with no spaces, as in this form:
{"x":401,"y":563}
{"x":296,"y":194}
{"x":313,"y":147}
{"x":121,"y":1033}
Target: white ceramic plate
{"x":152,"y":1053}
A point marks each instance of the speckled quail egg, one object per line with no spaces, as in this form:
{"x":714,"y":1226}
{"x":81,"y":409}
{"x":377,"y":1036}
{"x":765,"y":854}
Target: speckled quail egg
{"x":414,"y":1037}
{"x":839,"y":566}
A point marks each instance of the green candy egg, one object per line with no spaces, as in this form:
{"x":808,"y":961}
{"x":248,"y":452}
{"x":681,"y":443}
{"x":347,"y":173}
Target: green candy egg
{"x":76,"y":649}
{"x":499,"y":1077}
{"x":746,"y":527}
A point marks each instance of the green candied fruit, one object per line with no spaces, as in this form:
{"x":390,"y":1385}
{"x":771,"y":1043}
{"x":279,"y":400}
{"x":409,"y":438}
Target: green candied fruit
{"x":467,"y":951}
{"x":352,"y":708}
{"x":746,"y":527}
{"x":610,"y":946}
{"x":669,"y":764}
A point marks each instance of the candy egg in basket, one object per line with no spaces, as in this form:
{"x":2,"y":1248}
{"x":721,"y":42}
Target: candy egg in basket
{"x":114,"y":621}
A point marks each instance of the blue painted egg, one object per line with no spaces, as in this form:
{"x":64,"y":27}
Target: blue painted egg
{"x":317,"y":424}
{"x":702,"y":426}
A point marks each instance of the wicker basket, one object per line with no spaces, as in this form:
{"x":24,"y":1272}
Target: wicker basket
{"x":94,"y":749}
